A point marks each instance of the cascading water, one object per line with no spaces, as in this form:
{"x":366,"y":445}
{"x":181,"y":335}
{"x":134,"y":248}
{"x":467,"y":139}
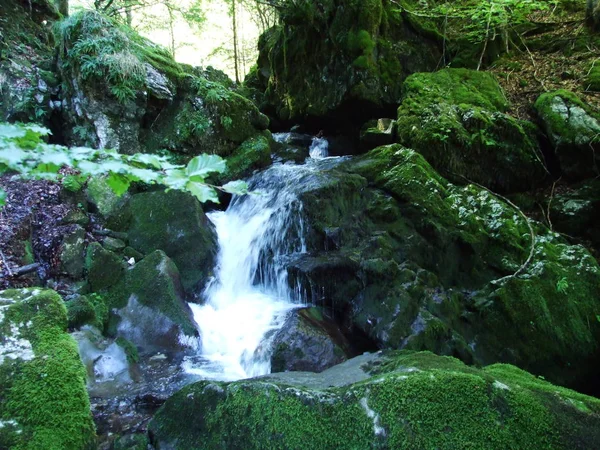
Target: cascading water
{"x":249,"y":297}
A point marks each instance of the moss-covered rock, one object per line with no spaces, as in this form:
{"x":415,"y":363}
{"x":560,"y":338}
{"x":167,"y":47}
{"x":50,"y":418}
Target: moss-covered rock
{"x":341,"y":59}
{"x":87,"y":310}
{"x":72,"y":253}
{"x":308,"y":341}
{"x":150,"y":299}
{"x":574,"y":131}
{"x":175,"y":223}
{"x":42,"y":380}
{"x":254,"y":153}
{"x":455,"y":118}
{"x":592,"y":81}
{"x":400,"y":400}
{"x":103,"y":199}
{"x":127,"y":93}
{"x":413,"y":261}
{"x":104,"y":268}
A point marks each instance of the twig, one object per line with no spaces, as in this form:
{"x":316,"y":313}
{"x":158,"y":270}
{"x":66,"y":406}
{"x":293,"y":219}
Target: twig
{"x":4,"y":263}
{"x":26,"y":269}
{"x":487,"y":36}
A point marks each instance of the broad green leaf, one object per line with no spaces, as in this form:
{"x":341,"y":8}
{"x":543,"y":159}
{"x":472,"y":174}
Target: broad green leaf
{"x":13,"y":156}
{"x":9,"y":131}
{"x":147,"y":160}
{"x":2,"y":198}
{"x":114,"y":166}
{"x":145,"y":175}
{"x":118,"y":182}
{"x":55,"y":156}
{"x":82,"y":153}
{"x":176,"y":179}
{"x":42,"y":131}
{"x":204,"y":164}
{"x":202,"y":192}
{"x":90,"y":168}
{"x":238,"y":187}
{"x":46,"y":169}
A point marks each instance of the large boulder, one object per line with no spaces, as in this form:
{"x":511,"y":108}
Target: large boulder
{"x":573,"y":129}
{"x":341,"y":59}
{"x":399,"y":400}
{"x":456,"y":119}
{"x":42,"y":380}
{"x":175,"y":223}
{"x":126,"y":93}
{"x":412,"y":261}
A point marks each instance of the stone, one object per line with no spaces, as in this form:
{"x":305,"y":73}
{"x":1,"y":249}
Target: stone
{"x":104,"y":268}
{"x":175,"y":223}
{"x":308,"y":341}
{"x":72,"y":253}
{"x":376,"y":133}
{"x":42,"y":379}
{"x":389,"y":400}
{"x":113,"y":244}
{"x":573,"y":129}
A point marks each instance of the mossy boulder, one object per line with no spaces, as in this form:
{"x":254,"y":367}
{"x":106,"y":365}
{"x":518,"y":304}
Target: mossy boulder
{"x":400,"y":400}
{"x":455,"y":118}
{"x":104,"y":268}
{"x":254,"y":153}
{"x":103,"y":199}
{"x":175,"y":223}
{"x":151,"y":306}
{"x":43,"y":382}
{"x":343,"y":60}
{"x":573,"y":129}
{"x":131,"y":95}
{"x":409,"y":260}
{"x":308,"y":341}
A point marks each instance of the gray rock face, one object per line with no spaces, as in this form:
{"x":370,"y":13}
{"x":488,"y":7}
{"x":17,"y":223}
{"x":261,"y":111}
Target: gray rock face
{"x":573,"y":129}
{"x":308,"y":342}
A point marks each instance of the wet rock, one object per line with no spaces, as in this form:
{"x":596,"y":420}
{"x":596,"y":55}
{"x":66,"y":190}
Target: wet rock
{"x":42,"y":379}
{"x":308,"y":341}
{"x":394,"y":400}
{"x":573,"y":129}
{"x":150,"y":307}
{"x":104,"y":200}
{"x":113,"y":244}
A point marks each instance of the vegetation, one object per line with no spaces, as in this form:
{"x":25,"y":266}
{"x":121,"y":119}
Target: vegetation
{"x":22,"y":150}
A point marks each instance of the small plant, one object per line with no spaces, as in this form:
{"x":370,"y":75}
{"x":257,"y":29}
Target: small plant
{"x":562,"y":285}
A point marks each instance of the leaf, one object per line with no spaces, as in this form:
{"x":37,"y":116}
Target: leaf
{"x":9,"y":131}
{"x":90,"y":168}
{"x":13,"y":156}
{"x":144,"y":175}
{"x":56,"y":157}
{"x":82,"y":153}
{"x":119,"y":183}
{"x":202,"y":192}
{"x":238,"y":187}
{"x":147,"y":160}
{"x":204,"y":164}
{"x":42,"y":131}
{"x":2,"y":198}
{"x":176,"y":179}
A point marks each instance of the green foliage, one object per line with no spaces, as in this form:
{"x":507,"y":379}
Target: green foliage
{"x":562,"y":285}
{"x":22,"y":150}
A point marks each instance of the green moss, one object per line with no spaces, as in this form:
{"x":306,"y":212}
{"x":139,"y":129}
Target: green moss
{"x":417,"y":401}
{"x":154,"y":282}
{"x":592,"y":81}
{"x":175,"y":223}
{"x":44,"y":396}
{"x":254,"y":153}
{"x":89,"y":309}
{"x":104,"y":268}
{"x":454,"y":118}
{"x":130,"y":349}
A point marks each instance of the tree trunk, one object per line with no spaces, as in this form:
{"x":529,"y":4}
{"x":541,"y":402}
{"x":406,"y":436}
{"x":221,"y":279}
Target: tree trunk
{"x":235,"y":43}
{"x":593,"y":13}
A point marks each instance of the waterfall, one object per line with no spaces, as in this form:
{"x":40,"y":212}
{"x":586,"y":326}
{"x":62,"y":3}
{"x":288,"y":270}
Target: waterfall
{"x":319,"y":148}
{"x":249,"y":297}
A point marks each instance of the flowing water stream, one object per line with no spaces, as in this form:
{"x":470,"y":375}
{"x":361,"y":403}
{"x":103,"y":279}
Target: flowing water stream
{"x":250,"y":298}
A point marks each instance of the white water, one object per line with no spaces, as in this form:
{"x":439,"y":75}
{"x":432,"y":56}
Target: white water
{"x":249,"y":298}
{"x":319,"y":148}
